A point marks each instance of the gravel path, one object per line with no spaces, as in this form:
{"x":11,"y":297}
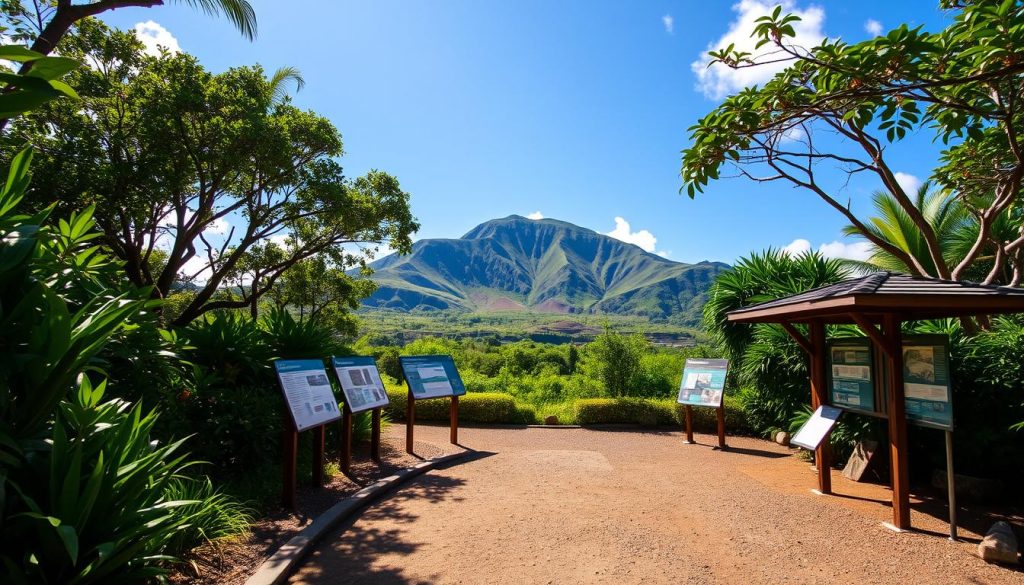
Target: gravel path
{"x":622,"y":506}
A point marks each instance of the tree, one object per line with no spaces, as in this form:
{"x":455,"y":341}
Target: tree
{"x":319,"y":290}
{"x":945,"y":215}
{"x":843,"y":105}
{"x":205,"y":180}
{"x":616,"y":360}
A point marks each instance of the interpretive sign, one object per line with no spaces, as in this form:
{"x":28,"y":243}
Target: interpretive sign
{"x":926,"y":381}
{"x":360,"y":382}
{"x":817,"y":427}
{"x":851,"y":379}
{"x":307,"y":390}
{"x":703,"y":382}
{"x":431,"y":376}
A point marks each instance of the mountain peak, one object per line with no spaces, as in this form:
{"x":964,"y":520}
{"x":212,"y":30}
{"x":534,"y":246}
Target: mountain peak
{"x":549,"y":265}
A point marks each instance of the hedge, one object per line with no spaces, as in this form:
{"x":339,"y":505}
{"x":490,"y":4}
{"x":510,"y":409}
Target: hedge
{"x":645,"y":412}
{"x":474,"y":407}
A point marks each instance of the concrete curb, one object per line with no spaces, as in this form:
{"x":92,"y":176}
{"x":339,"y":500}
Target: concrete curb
{"x":276,"y":569}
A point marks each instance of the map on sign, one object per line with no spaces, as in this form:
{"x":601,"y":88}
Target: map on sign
{"x":851,"y":383}
{"x":814,"y":430}
{"x":703,"y":382}
{"x":926,"y":381}
{"x":360,"y":382}
{"x":307,"y":390}
{"x":432,"y":376}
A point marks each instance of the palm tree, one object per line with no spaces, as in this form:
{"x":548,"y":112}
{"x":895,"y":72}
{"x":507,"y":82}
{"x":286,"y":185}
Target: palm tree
{"x":944,"y":213}
{"x":955,"y":228}
{"x":55,"y":22}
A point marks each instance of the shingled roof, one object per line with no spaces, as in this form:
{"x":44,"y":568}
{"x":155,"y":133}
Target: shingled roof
{"x":880,"y":293}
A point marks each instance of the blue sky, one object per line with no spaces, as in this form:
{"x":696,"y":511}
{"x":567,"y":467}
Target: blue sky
{"x":574,"y":109}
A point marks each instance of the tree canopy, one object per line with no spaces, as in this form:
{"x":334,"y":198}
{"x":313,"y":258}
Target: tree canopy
{"x":842,"y":105}
{"x":203,"y":180}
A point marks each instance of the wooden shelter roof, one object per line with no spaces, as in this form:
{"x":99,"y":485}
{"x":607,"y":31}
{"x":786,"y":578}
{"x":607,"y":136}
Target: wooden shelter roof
{"x":872,"y":296}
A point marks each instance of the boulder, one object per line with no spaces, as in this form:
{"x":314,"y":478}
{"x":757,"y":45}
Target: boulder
{"x":782,"y":438}
{"x":999,"y":545}
{"x":551,"y":420}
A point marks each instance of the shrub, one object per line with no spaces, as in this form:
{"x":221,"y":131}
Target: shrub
{"x":639,"y":411}
{"x":474,"y":407}
{"x":615,"y":360}
{"x":289,"y":338}
{"x":212,"y":515}
{"x":229,"y":345}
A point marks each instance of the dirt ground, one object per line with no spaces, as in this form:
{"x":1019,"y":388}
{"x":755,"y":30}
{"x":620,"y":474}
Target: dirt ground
{"x":626,"y":506}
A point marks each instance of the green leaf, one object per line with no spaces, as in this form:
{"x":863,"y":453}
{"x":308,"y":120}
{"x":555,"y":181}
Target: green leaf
{"x":51,"y":68}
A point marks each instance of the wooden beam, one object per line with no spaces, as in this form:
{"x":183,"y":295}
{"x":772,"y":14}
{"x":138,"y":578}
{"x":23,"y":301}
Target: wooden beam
{"x":819,"y":396}
{"x":871,"y":331}
{"x":897,"y":427}
{"x":797,"y":337}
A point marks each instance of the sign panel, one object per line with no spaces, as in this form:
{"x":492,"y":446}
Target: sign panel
{"x":703,"y":382}
{"x":431,"y":376}
{"x":851,"y":378}
{"x":360,"y":382}
{"x":307,"y":390}
{"x":814,"y":430}
{"x":926,"y":381}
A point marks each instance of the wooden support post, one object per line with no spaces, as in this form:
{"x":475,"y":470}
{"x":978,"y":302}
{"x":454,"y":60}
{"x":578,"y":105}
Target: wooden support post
{"x":318,"y":456}
{"x":819,"y":396}
{"x":410,"y":421}
{"x":689,"y":424}
{"x":897,"y":426}
{"x":345,"y":444}
{"x":375,"y":436}
{"x":721,"y":426}
{"x":290,"y":454}
{"x":454,"y":420}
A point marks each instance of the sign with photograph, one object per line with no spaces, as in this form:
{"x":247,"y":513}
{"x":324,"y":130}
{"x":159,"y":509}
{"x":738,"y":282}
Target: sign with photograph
{"x":926,"y":381}
{"x":817,"y":427}
{"x":431,"y":376}
{"x":307,"y":391}
{"x":851,"y":378}
{"x":703,"y":382}
{"x":360,"y":382}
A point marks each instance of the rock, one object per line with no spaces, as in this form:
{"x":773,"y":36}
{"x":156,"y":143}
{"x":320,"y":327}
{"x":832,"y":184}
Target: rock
{"x":860,"y":460}
{"x":782,"y":438}
{"x":999,"y":545}
{"x":551,"y":420}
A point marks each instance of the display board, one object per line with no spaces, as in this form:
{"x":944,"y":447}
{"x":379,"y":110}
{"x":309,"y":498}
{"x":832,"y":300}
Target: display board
{"x":307,"y":391}
{"x":851,"y":375}
{"x":703,"y":382}
{"x":431,"y":376}
{"x":360,"y":382}
{"x":817,"y":427}
{"x":926,"y":381}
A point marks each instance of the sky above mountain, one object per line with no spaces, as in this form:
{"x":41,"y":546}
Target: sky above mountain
{"x":573,"y":109}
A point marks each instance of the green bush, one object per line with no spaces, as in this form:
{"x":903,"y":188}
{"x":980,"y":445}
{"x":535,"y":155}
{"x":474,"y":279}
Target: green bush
{"x":474,"y":407}
{"x":212,"y":515}
{"x":593,"y":411}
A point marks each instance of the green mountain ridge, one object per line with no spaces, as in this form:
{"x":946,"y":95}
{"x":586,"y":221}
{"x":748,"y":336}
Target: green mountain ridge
{"x":546,"y":265}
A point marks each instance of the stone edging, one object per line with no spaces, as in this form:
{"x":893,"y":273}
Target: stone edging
{"x":276,"y":569}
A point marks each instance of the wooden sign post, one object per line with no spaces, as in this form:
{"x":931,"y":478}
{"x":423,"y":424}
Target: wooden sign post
{"x":360,"y":382}
{"x":703,"y":384}
{"x":431,"y":376}
{"x":311,"y":404}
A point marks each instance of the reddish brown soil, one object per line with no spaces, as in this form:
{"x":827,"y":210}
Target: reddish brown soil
{"x":624,"y":506}
{"x":232,"y":563}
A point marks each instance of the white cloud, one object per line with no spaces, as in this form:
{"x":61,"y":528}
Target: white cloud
{"x":642,"y":238}
{"x":835,"y":249}
{"x":219,"y":226}
{"x":717,"y":81}
{"x":873,"y":27}
{"x":909,"y":182}
{"x":535,"y":215}
{"x":797,"y":247}
{"x":670,"y":23}
{"x":154,"y":36}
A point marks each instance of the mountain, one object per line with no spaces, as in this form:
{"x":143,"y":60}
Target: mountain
{"x":543,"y":265}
